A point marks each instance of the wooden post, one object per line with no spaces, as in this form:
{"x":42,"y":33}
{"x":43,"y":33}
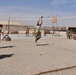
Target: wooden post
{"x":9,"y":25}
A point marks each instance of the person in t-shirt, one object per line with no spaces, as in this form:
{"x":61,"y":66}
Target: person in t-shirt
{"x":38,"y":28}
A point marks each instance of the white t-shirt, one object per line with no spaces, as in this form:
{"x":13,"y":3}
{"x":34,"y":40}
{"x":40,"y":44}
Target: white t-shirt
{"x":38,"y":28}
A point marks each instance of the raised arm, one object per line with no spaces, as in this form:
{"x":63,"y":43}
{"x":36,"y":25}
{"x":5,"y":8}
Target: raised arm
{"x":40,"y":21}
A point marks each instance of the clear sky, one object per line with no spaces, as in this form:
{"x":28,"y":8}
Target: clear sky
{"x":19,"y":10}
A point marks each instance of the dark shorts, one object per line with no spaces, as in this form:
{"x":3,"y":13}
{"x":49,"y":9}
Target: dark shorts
{"x":38,"y":34}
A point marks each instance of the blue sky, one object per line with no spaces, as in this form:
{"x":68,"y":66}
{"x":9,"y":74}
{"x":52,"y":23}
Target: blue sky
{"x":20,"y":10}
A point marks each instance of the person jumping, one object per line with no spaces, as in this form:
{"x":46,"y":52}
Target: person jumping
{"x":38,"y":28}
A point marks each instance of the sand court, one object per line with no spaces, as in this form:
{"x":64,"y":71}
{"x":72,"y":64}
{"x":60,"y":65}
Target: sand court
{"x":23,"y":57}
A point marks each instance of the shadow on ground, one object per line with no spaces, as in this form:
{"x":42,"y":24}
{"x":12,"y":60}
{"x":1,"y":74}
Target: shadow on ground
{"x":42,"y":44}
{"x":7,"y":47}
{"x":6,"y":56}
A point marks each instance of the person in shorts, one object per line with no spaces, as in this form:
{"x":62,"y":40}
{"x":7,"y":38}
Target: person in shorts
{"x":38,"y":28}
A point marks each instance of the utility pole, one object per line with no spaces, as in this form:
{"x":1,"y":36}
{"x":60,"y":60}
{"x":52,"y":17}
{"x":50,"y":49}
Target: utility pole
{"x":6,"y":37}
{"x":9,"y":25}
